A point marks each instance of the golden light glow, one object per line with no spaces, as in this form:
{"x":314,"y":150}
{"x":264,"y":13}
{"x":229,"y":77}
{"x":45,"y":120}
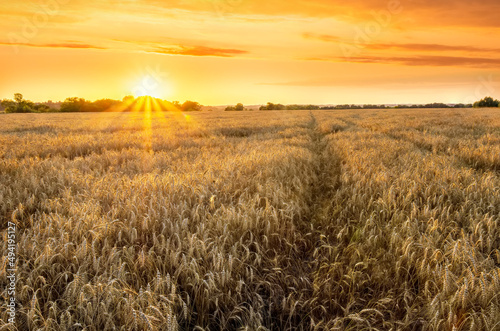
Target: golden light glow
{"x":152,"y":87}
{"x":148,"y":130}
{"x":225,"y":52}
{"x":152,"y":112}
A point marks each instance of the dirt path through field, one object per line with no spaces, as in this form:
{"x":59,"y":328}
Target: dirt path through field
{"x":327,"y":169}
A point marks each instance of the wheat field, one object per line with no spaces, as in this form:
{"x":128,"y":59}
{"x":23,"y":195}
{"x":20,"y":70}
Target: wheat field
{"x":277,"y":220}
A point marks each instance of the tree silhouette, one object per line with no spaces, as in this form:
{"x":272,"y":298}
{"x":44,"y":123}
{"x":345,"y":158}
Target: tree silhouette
{"x":74,"y":104}
{"x":487,"y":102}
{"x":272,"y":106}
{"x":191,"y":106}
{"x":18,"y":105}
{"x":238,"y":107}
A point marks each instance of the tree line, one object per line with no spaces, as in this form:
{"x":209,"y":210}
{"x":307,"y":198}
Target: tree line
{"x":75,"y":104}
{"x":484,"y":103}
{"x":129,"y":103}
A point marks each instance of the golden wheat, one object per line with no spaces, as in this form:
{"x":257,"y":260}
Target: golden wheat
{"x":338,"y":220}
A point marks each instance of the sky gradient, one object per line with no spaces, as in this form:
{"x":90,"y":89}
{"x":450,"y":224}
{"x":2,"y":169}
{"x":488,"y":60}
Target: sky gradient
{"x":227,"y":51}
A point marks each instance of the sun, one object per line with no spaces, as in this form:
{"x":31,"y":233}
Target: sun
{"x":152,"y":86}
{"x":150,"y":95}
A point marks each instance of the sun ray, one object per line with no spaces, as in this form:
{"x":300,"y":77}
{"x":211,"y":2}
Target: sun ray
{"x":147,"y":123}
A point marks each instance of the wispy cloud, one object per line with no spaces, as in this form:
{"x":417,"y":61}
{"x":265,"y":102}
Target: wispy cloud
{"x":431,"y":47}
{"x":391,"y":83}
{"x":171,"y":50}
{"x":198,"y":51}
{"x":431,"y":12}
{"x":55,"y":45}
{"x":419,"y":47}
{"x":321,"y":37}
{"x":435,"y":61}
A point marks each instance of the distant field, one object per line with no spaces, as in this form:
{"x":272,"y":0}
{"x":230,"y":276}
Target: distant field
{"x":279,"y":220}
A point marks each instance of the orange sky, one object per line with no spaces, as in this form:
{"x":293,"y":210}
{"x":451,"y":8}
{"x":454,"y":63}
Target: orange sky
{"x":252,"y":51}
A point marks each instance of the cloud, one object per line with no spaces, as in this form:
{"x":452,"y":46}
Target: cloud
{"x":171,"y":50}
{"x":415,"y":47}
{"x":393,"y":80}
{"x":435,"y":61}
{"x":57,"y":45}
{"x":174,"y":46}
{"x":422,"y":12}
{"x":359,"y":82}
{"x":427,"y":12}
{"x":321,"y":37}
{"x":431,"y":47}
{"x":198,"y":51}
